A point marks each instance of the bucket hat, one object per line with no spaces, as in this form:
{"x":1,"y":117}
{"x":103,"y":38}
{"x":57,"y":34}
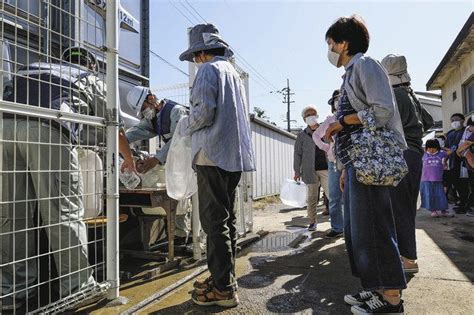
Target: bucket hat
{"x":204,"y":37}
{"x":396,"y":66}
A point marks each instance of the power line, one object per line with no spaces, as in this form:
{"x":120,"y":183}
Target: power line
{"x":168,"y":63}
{"x":251,"y":68}
{"x":191,"y":12}
{"x":196,"y":11}
{"x":255,"y":70}
{"x":177,"y":9}
{"x":262,"y":81}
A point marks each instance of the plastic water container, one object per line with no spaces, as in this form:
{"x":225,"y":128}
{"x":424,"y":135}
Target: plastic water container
{"x":154,"y":178}
{"x":181,"y":180}
{"x":92,"y":173}
{"x":129,"y":179}
{"x":293,"y":193}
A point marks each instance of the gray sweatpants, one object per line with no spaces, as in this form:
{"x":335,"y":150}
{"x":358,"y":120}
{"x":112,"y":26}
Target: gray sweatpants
{"x":40,"y":173}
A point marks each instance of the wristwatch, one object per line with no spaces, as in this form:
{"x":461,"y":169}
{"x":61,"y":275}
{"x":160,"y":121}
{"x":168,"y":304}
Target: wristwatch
{"x":343,"y":123}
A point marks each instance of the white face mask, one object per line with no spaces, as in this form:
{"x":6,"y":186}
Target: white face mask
{"x":311,"y":120}
{"x":333,"y":57}
{"x":197,"y":62}
{"x":456,"y":124}
{"x":149,"y":113}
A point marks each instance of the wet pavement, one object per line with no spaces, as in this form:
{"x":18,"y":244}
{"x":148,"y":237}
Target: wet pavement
{"x":313,"y":278}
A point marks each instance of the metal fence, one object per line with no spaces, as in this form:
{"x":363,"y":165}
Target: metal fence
{"x":56,"y":139}
{"x":274,"y":157}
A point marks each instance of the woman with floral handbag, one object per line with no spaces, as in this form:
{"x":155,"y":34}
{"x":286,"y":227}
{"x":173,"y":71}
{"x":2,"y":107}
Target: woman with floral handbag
{"x":369,"y":143}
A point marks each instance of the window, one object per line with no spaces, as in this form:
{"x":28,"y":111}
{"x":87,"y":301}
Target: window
{"x":31,"y":7}
{"x":455,"y":96}
{"x":469,"y":96}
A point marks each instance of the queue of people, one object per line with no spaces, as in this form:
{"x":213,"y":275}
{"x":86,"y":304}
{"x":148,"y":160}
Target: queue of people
{"x":378,"y":212}
{"x":375,"y":211}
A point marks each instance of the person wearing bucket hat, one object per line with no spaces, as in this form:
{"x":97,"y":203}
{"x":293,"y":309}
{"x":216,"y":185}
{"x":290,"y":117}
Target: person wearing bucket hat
{"x":310,"y":163}
{"x":204,"y":37}
{"x":334,"y":99}
{"x":404,"y":196}
{"x":222,"y":149}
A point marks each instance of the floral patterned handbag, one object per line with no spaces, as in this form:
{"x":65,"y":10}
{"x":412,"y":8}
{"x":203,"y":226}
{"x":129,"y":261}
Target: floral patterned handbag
{"x":376,"y":156}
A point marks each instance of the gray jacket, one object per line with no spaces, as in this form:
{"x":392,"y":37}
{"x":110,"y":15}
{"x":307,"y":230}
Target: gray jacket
{"x":304,"y":157}
{"x":368,"y":86}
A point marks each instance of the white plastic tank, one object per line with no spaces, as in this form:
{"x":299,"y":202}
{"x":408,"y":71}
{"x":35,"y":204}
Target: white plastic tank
{"x":293,"y":193}
{"x":92,"y":172}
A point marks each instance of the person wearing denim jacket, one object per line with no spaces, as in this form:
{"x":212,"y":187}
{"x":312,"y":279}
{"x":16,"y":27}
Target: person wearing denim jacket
{"x":369,"y":227}
{"x":221,"y":149}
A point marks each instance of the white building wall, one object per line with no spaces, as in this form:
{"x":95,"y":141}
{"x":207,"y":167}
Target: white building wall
{"x":458,"y":77}
{"x":435,"y":111}
{"x":273,"y":158}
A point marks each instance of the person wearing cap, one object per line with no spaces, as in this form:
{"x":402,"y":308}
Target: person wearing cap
{"x":404,"y":196}
{"x":95,"y":89}
{"x":310,"y":163}
{"x":334,"y":174}
{"x":222,"y":149}
{"x":158,"y":118}
{"x":42,"y":174}
{"x":455,"y":162}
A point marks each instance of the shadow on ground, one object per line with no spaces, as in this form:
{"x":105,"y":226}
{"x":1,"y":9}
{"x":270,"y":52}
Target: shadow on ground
{"x":314,"y":278}
{"x":454,"y":236}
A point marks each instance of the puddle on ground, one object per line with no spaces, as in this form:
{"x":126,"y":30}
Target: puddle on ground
{"x":274,"y":242}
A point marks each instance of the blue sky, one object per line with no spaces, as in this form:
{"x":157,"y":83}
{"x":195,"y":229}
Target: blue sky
{"x":285,"y":39}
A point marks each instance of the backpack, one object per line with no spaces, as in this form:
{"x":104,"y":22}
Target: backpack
{"x":426,"y":118}
{"x":53,"y":86}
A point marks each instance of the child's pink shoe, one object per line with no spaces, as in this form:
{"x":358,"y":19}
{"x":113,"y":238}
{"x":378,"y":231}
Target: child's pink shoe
{"x":434,"y":214}
{"x":447,"y":214}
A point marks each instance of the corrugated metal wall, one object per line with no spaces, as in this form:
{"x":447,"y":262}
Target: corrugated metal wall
{"x":274,"y":158}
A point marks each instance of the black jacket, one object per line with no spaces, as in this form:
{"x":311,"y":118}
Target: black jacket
{"x":411,"y":116}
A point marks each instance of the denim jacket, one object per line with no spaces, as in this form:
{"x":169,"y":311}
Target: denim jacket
{"x":218,"y":121}
{"x":144,"y":131}
{"x":368,"y":88}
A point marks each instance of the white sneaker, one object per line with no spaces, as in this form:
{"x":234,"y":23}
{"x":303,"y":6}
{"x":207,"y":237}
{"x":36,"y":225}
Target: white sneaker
{"x":359,"y":298}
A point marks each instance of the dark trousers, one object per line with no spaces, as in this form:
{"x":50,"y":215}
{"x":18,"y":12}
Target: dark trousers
{"x":471,"y":189}
{"x":369,"y":232}
{"x":404,"y":199}
{"x":216,"y":190}
{"x":460,"y":184}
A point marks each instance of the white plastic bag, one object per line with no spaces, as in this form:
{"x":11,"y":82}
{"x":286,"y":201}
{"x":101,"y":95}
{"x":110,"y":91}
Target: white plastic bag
{"x":293,"y":193}
{"x":181,"y":181}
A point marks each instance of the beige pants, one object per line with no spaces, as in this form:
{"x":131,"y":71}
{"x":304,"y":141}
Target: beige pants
{"x":313,"y":193}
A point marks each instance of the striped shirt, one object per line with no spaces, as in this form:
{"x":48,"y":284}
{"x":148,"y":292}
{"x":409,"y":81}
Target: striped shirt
{"x":343,"y":139}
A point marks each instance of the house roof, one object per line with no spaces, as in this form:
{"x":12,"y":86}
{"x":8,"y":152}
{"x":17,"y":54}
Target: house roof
{"x":462,"y":45}
{"x":266,"y":124}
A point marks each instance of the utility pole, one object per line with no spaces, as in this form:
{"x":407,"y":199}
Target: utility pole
{"x":287,"y":100}
{"x":287,"y":95}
